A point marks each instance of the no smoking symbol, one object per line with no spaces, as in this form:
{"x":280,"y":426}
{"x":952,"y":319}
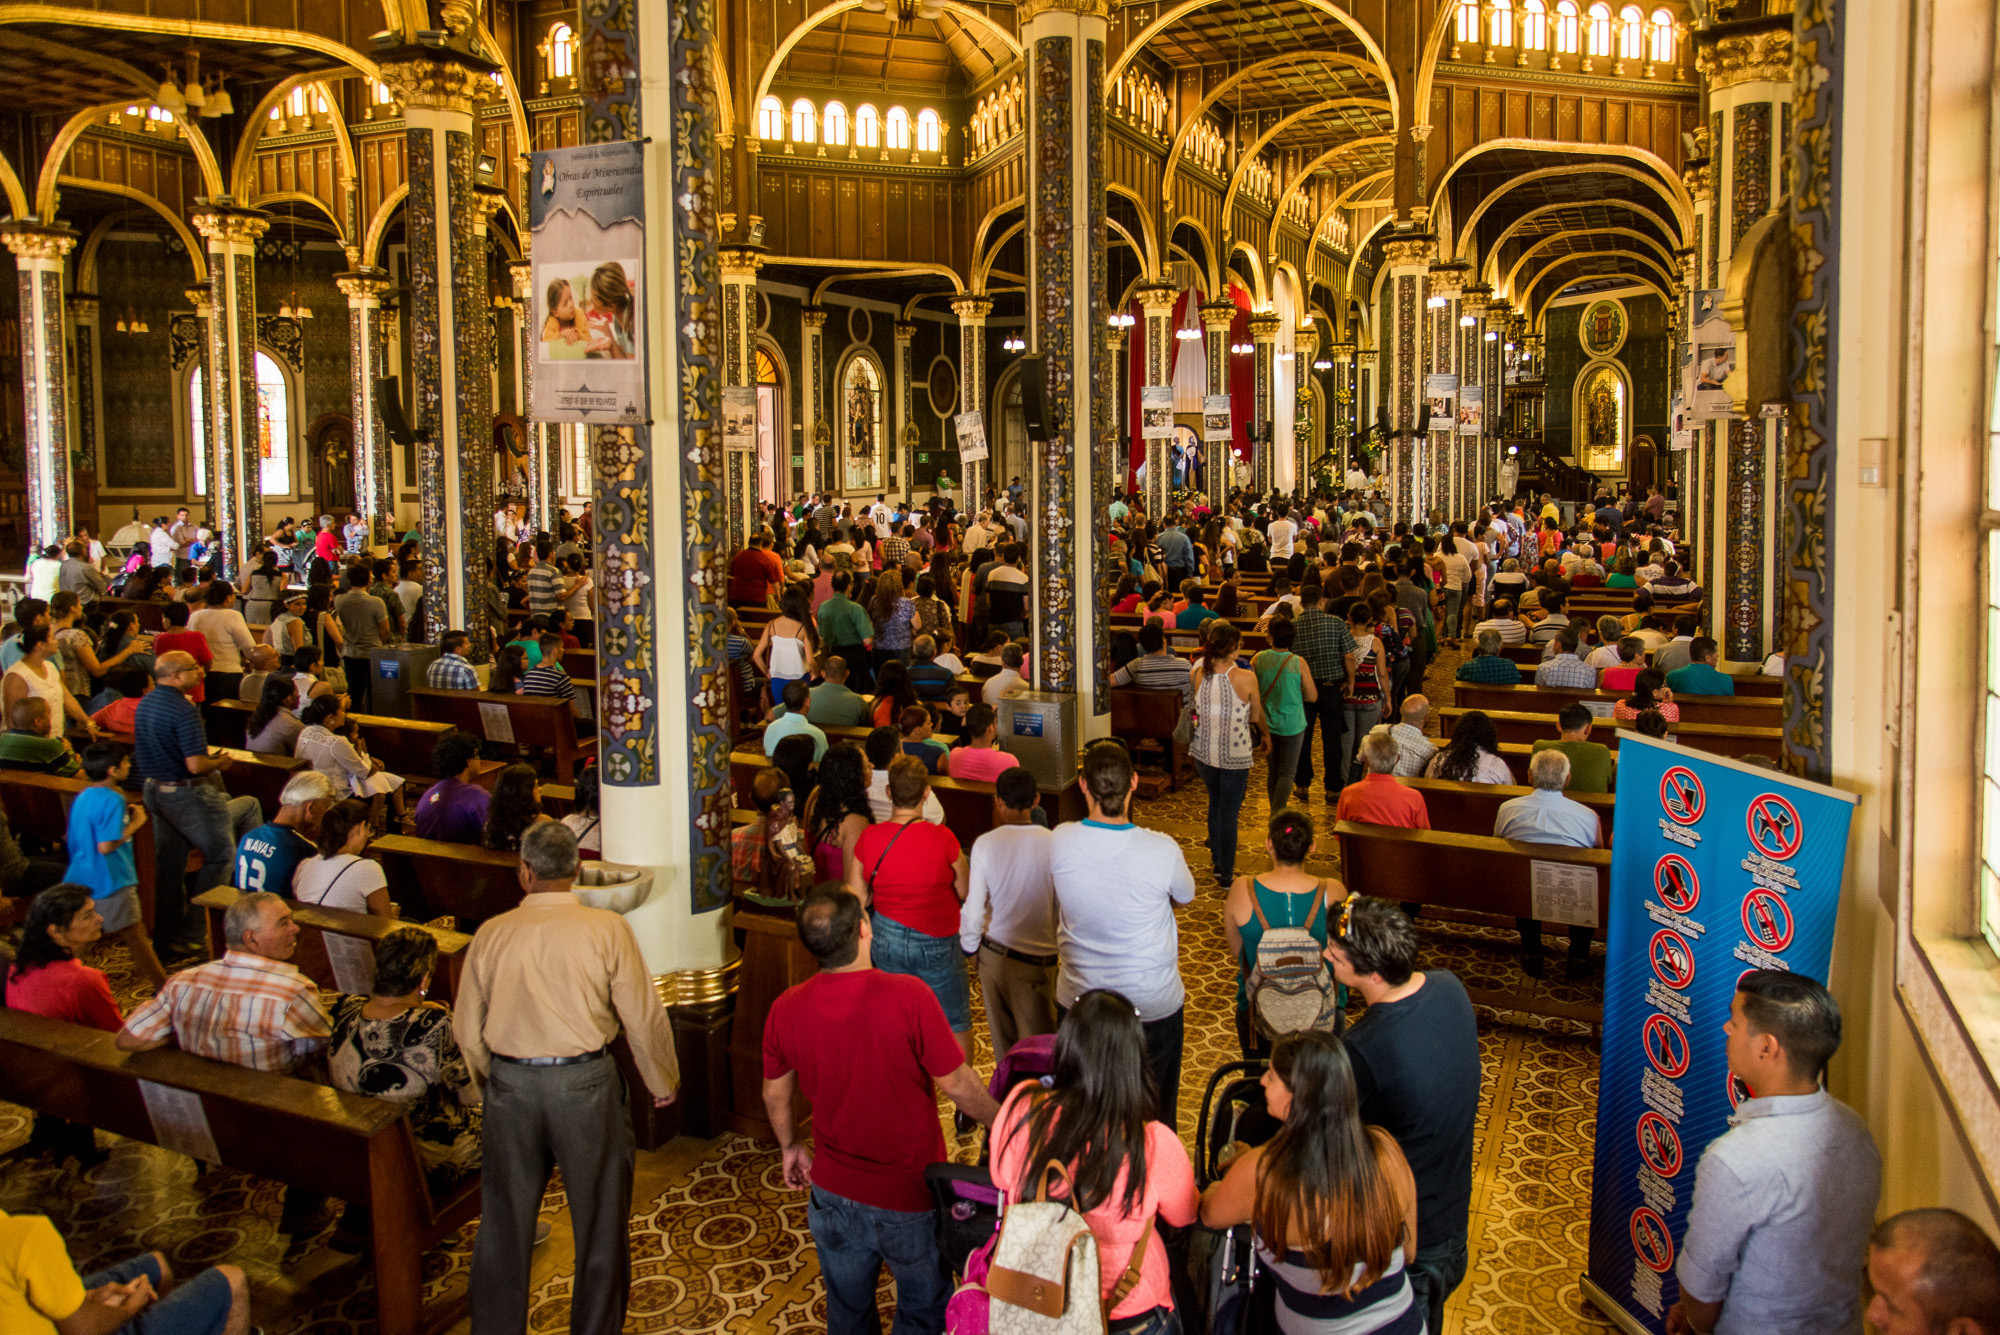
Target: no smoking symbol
{"x":1767,"y":919}
{"x":1774,"y":827}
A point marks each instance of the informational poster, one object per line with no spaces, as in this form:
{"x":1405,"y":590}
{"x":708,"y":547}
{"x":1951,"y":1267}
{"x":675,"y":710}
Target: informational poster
{"x":499,"y":724}
{"x":739,"y":418}
{"x":1440,"y":390}
{"x":1472,"y":410}
{"x":180,"y":1121}
{"x":971,"y":429}
{"x":587,"y":213}
{"x":1718,"y":867}
{"x":1714,"y":357}
{"x":1215,"y":423}
{"x":1156,"y":412}
{"x":1563,"y":892}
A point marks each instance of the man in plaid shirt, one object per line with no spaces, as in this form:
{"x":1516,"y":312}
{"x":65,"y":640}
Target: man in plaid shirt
{"x":1323,"y":640}
{"x":1488,"y":666}
{"x":896,"y":547}
{"x":1564,"y":669}
{"x":453,"y":671}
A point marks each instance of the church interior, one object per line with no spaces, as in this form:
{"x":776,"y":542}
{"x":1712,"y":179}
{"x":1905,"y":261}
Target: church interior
{"x":279,"y":260}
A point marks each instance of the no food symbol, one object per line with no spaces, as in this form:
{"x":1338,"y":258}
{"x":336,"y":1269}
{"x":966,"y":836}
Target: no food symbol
{"x":1767,"y":919}
{"x":1666,"y":1046}
{"x":1774,"y":827}
{"x":1659,"y":1144}
{"x":1650,"y":1240}
{"x":1673,"y":958}
{"x":1678,"y":887}
{"x":1682,"y":795}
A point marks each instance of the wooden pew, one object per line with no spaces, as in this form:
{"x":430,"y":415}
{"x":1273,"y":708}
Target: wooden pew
{"x":228,"y":722}
{"x":1716,"y":738}
{"x":277,"y":1127}
{"x":1471,"y":808}
{"x":967,"y":803}
{"x":429,"y":879}
{"x":535,"y":722}
{"x":151,"y":617}
{"x":317,"y":922}
{"x":260,"y":776}
{"x":1472,"y":873}
{"x":38,"y":804}
{"x":1138,"y":715}
{"x":1745,"y":712}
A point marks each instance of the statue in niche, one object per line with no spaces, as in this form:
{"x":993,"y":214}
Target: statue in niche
{"x":1602,"y":427}
{"x":863,"y":407}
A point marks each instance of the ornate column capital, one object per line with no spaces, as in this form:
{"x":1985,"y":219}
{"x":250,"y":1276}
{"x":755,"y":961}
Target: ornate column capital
{"x":524,"y":278}
{"x":1264,"y":327}
{"x":1218,"y":316}
{"x":488,"y":200}
{"x":1475,"y":299}
{"x":428,"y":78}
{"x":83,"y":307}
{"x":906,"y":330}
{"x":739,"y":264}
{"x":1420,"y":132}
{"x":1448,"y":280}
{"x":230,"y":225}
{"x":1369,"y":358}
{"x":203,"y":300}
{"x":30,"y":241}
{"x":1115,"y":340}
{"x":1341,"y":348}
{"x":1305,"y":341}
{"x":972,"y":308}
{"x":813,"y":317}
{"x":363,"y":285}
{"x":1416,"y":251}
{"x":1745,"y":57}
{"x":1498,"y":310}
{"x":1156,"y":299}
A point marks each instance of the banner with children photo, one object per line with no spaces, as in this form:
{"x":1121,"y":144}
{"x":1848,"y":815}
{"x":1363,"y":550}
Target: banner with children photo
{"x":587,"y":213}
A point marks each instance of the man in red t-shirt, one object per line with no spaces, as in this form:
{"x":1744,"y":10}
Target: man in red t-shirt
{"x":865,"y":1046}
{"x":1376,"y":798}
{"x":752,"y":573}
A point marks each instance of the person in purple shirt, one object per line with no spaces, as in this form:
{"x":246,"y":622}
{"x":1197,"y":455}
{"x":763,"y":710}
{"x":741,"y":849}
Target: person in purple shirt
{"x":454,"y":808}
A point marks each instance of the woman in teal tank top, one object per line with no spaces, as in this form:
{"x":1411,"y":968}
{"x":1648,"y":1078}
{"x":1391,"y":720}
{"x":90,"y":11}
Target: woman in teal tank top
{"x":1286,"y":894}
{"x":1287,"y":686}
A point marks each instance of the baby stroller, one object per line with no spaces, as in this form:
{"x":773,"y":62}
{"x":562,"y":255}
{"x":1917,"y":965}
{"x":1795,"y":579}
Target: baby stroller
{"x":968,"y":1204}
{"x":1215,"y":1279}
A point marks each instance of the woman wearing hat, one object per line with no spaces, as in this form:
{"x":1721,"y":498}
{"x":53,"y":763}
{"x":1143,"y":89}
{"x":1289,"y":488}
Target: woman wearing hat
{"x":287,"y":632}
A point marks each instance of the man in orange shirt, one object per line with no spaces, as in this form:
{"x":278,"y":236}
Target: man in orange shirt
{"x":753,"y":572}
{"x":1376,"y":798}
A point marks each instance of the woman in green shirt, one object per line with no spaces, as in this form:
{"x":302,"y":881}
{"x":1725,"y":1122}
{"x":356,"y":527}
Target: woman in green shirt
{"x":1285,"y":896}
{"x":1286,"y":685}
{"x":1622,"y":574}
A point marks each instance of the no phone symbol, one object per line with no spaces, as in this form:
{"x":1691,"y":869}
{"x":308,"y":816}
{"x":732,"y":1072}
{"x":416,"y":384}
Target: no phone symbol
{"x":1673,"y":958}
{"x":1682,"y":795}
{"x":1767,"y":919}
{"x":1675,"y":882}
{"x":1666,"y":1046}
{"x":1659,"y":1144}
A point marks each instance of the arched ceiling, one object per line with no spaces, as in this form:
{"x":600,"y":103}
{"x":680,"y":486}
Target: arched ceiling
{"x":856,"y":51}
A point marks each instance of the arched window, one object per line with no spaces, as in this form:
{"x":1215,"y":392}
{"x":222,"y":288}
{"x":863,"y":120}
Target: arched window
{"x":383,"y":97}
{"x":1565,"y":26}
{"x":1534,"y":26}
{"x":1663,"y":37}
{"x":1502,"y":33}
{"x":1630,"y":45}
{"x":860,"y":425}
{"x":805,"y":122}
{"x":930,"y":132}
{"x":274,"y":429}
{"x":1600,"y":29}
{"x":834,"y":122}
{"x":562,"y":52}
{"x":1468,"y":21}
{"x":297,"y":101}
{"x":770,"y":119}
{"x":898,"y":128}
{"x":867,"y":127}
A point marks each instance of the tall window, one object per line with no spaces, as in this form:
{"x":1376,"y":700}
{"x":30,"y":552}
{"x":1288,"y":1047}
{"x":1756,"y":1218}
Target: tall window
{"x":1989,"y":831}
{"x":1600,"y":29}
{"x":899,"y":128}
{"x":1468,"y":22}
{"x":861,"y":425}
{"x":804,"y":122}
{"x":274,"y":430}
{"x":298,"y":100}
{"x":1566,"y":27}
{"x":930,"y":133}
{"x":562,"y":52}
{"x":383,"y":97}
{"x":1630,"y":44}
{"x":1534,"y":26}
{"x":770,"y":119}
{"x":867,"y":127}
{"x":834,"y":122}
{"x":1503,"y":23}
{"x":1663,"y":37}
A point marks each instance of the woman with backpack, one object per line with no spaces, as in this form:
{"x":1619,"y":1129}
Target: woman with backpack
{"x":1111,"y":1161}
{"x":1284,"y":902}
{"x":1333,"y":1200}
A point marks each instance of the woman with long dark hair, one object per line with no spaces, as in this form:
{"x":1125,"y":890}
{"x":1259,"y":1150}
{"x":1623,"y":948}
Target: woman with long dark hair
{"x":893,"y":693}
{"x":1649,"y":691}
{"x":516,"y":804}
{"x":510,"y":664}
{"x":47,"y":979}
{"x":274,"y":726}
{"x":1333,"y":1199}
{"x":894,"y":615}
{"x":583,"y":819}
{"x":837,"y":811}
{"x":1472,"y":755}
{"x":1113,"y":1162}
{"x":266,"y":587}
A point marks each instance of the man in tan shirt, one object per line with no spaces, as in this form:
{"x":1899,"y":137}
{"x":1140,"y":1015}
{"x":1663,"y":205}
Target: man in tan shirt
{"x":546,"y":988}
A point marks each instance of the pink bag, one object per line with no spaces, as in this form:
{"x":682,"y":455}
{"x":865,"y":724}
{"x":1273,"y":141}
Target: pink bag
{"x":967,"y":1312}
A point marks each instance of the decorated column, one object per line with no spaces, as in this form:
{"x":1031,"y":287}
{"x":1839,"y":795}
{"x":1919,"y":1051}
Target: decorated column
{"x":1498,"y":318}
{"x":812,"y":412}
{"x":87,"y":332}
{"x":544,"y":482}
{"x":901,"y":482}
{"x":374,"y":459}
{"x":1217,"y":455}
{"x":1409,"y":258}
{"x":38,"y":256}
{"x":200,"y":296}
{"x":1264,"y":328}
{"x":739,"y":370}
{"x":1472,"y":373}
{"x":972,"y":313}
{"x":1156,"y":302}
{"x":1340,"y":429}
{"x":1117,"y":384}
{"x":1440,"y":472}
{"x":236,"y":452}
{"x":1305,"y":424}
{"x":1063,"y":44}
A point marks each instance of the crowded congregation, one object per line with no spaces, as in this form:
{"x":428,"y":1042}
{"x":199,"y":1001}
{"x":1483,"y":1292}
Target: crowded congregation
{"x":1241,"y":667}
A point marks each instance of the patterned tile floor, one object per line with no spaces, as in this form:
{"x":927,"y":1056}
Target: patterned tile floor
{"x":720,"y":1245}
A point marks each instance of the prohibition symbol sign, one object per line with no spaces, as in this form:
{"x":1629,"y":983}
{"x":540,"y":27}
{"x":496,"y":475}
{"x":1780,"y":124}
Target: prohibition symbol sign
{"x":1774,"y":827}
{"x":1659,"y":1144}
{"x":1673,"y":958}
{"x":1682,"y":795}
{"x":1738,"y":1091}
{"x":1678,"y":887}
{"x":1767,"y":919}
{"x":1666,"y":1047}
{"x":1650,"y":1240}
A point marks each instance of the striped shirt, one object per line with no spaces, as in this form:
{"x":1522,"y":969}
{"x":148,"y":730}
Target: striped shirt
{"x":544,"y":588}
{"x":548,"y":679}
{"x":1155,"y":672}
{"x":242,"y":1009}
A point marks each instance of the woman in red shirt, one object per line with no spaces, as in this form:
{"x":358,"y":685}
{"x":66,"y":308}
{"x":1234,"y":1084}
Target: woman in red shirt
{"x":48,"y":980}
{"x":911,"y":876}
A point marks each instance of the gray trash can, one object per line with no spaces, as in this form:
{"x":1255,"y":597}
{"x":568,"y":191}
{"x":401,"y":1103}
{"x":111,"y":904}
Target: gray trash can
{"x":393,"y":670}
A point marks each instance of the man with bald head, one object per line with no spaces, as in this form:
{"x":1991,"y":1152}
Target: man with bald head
{"x":26,"y":745}
{"x":186,"y":800}
{"x":1933,"y":1272}
{"x":259,"y":664}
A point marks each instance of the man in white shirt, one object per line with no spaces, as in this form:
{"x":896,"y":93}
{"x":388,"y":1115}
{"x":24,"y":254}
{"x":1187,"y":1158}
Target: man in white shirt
{"x":879,"y":513}
{"x":1009,"y":918}
{"x":161,"y":540}
{"x":1280,"y":535}
{"x":882,"y":746}
{"x":1008,"y":679}
{"x":1116,"y":886}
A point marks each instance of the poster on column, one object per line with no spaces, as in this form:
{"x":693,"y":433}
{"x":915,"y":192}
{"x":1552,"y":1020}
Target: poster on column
{"x":1472,"y":410}
{"x":1718,"y":868}
{"x":1714,"y":357}
{"x":739,"y":418}
{"x":1438,"y":392}
{"x":971,"y":429}
{"x":1156,"y":412}
{"x":1215,"y":423}
{"x":587,"y":213}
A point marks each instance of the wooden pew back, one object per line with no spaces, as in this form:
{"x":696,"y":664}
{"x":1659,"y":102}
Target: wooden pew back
{"x":534,"y":722}
{"x":428,"y":879}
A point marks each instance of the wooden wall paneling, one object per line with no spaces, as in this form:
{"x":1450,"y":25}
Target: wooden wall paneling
{"x":1516,"y":123}
{"x":847,"y":219}
{"x":1464,"y":121}
{"x":872,"y":218}
{"x":895,"y":216}
{"x":1590,"y":120}
{"x":825,"y":235}
{"x":771,"y":189}
{"x":798,"y":213}
{"x":1566,"y":116}
{"x":1541,"y":116}
{"x":1491,"y":109}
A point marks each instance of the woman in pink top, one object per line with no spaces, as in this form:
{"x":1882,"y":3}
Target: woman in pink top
{"x":1124,"y":1167}
{"x":1649,"y":691}
{"x":981,"y":757}
{"x":48,"y":980}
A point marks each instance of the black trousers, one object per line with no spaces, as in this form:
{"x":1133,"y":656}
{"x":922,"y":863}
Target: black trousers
{"x":357,"y":680}
{"x":1531,"y":939}
{"x":542,"y":1117}
{"x":1328,"y":715}
{"x":1166,"y":1040}
{"x":860,"y":665}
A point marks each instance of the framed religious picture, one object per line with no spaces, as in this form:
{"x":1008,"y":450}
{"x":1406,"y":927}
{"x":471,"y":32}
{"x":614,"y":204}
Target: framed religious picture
{"x":1603,"y":327}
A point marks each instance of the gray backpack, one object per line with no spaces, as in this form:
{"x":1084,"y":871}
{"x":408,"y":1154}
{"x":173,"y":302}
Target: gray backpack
{"x":1291,"y":989}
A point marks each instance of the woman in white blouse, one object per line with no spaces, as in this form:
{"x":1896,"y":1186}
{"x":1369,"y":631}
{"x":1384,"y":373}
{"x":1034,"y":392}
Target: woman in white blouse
{"x":338,"y":877}
{"x":228,"y":638}
{"x":1472,"y":755}
{"x":326,"y":746}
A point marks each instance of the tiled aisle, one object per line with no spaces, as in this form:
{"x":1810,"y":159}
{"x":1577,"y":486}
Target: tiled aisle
{"x":720,"y":1245}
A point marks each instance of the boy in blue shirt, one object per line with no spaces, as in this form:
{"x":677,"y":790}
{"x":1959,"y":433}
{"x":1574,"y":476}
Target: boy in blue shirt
{"x":101,"y":825}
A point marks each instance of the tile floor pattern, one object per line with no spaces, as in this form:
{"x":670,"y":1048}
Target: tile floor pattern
{"x":720,"y":1245}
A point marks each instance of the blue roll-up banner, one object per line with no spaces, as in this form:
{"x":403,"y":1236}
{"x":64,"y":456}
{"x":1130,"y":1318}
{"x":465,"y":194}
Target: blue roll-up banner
{"x":1717,"y":868}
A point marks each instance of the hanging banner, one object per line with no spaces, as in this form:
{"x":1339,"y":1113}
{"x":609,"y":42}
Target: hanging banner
{"x":1472,"y":410}
{"x":1156,"y":412}
{"x":1215,"y":424}
{"x":1714,"y":357}
{"x":739,"y":418}
{"x":971,"y":429}
{"x":1718,"y":868}
{"x":1439,"y":391}
{"x":587,"y":213}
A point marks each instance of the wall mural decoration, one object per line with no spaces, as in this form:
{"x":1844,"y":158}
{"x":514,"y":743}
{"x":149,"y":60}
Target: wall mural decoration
{"x":1751,"y":163}
{"x":1603,"y":328}
{"x":1101,"y":459}
{"x":1603,"y":418}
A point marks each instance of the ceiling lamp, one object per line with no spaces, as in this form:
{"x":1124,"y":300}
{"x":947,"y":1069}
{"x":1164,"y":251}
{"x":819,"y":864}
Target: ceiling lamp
{"x":168,"y":95}
{"x":1242,"y":349}
{"x":1492,"y":337}
{"x":1323,"y":364}
{"x":1436,"y":303}
{"x":1013,"y":343}
{"x":1187,"y":335}
{"x":1466,"y":322}
{"x":219,"y":102}
{"x":130,"y":323}
{"x":1122,"y":320}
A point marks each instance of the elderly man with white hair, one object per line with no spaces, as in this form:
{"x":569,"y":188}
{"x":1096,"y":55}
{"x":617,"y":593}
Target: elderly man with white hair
{"x":1414,"y":750}
{"x":1546,"y":816}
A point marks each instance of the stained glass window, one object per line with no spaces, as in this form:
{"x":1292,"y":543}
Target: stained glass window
{"x":273,"y":435}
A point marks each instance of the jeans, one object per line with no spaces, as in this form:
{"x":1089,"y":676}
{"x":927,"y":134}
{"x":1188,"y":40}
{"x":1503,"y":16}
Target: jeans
{"x":1285,"y":752}
{"x":1330,"y":718}
{"x":853,"y":1241}
{"x":1153,"y":1321}
{"x":1225,"y":803}
{"x":1359,"y":719}
{"x":934,"y":961}
{"x":1438,"y":1270}
{"x":192,"y":815}
{"x":197,"y":1306}
{"x":1454,"y":605}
